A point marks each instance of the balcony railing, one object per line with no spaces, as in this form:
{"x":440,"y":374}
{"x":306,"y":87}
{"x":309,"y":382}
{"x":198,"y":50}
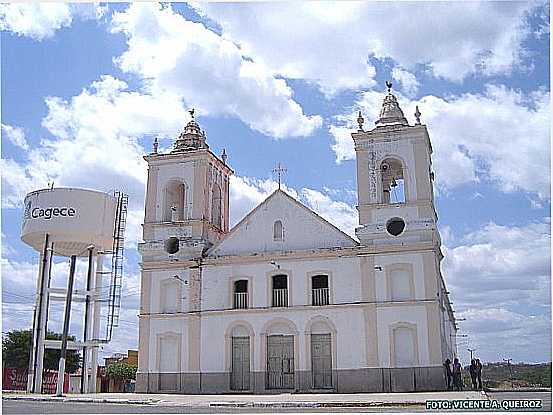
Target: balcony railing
{"x":241,"y":300}
{"x":280,"y":297}
{"x":321,"y":296}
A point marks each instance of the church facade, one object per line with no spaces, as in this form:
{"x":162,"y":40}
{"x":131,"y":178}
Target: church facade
{"x":284,"y":301}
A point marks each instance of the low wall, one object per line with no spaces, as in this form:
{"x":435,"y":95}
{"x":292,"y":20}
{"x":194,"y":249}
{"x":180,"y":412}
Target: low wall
{"x":373,"y":380}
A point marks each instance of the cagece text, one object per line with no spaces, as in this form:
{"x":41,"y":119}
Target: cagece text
{"x":51,"y":212}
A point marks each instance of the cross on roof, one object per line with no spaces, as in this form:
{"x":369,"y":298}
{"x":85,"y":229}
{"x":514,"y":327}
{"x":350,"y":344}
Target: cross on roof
{"x":279,"y":170}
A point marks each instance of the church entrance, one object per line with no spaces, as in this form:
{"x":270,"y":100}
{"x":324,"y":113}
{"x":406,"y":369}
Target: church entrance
{"x":280,"y":362}
{"x":321,"y":361}
{"x":240,"y":375}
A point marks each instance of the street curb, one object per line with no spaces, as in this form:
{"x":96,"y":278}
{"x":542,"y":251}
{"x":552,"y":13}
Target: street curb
{"x":351,"y":404}
{"x":83,"y":400}
{"x":251,"y":404}
{"x":492,"y":390}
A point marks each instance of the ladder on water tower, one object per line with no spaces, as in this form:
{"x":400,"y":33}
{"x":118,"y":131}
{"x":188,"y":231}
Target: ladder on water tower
{"x":114,"y":299}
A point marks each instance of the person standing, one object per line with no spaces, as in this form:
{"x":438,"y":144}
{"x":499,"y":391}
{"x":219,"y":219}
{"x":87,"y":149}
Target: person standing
{"x":472,"y":371}
{"x":479,"y":373}
{"x":457,"y":377}
{"x":448,"y":374}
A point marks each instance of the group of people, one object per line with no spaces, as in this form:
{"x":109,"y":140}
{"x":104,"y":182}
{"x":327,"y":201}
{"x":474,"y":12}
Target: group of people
{"x":454,"y":376}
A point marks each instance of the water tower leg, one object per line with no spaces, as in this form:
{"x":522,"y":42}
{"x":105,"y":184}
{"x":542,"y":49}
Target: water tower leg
{"x":43,"y":319}
{"x":66,"y":320}
{"x":87,"y":321}
{"x":34,"y":378}
{"x":96,"y":324}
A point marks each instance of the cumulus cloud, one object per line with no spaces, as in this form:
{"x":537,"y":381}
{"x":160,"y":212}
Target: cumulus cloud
{"x":16,"y":136}
{"x":96,"y":142}
{"x":408,"y":81}
{"x":41,"y":20}
{"x":501,"y":135}
{"x":330,"y":42}
{"x":499,"y":277}
{"x":207,"y":71}
{"x":340,"y":214}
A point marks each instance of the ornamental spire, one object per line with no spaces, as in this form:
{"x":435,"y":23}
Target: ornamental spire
{"x":391,"y":113}
{"x":192,"y":138}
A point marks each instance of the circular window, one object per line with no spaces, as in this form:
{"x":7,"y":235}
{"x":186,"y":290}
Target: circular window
{"x":395,"y":226}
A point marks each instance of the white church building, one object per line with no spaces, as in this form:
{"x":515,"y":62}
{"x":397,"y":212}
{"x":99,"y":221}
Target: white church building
{"x":285,"y":301}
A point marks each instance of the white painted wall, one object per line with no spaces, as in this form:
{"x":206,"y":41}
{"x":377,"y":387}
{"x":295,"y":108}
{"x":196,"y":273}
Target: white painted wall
{"x":344,"y":281}
{"x":302,"y":230}
{"x":348,"y":321}
{"x":388,"y":316}
{"x":160,"y":326}
{"x":381,"y":277}
{"x":161,"y":278}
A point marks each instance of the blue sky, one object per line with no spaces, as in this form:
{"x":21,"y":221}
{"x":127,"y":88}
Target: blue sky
{"x":86,"y":88}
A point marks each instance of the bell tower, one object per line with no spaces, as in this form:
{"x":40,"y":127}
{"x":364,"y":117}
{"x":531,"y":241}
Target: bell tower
{"x":187,"y":196}
{"x":394,"y":178}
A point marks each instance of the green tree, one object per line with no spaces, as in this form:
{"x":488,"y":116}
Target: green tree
{"x":121,"y":370}
{"x":16,"y":346}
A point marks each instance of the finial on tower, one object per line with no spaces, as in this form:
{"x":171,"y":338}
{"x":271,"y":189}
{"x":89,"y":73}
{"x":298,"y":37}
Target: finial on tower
{"x":155,"y":146}
{"x":418,"y":115}
{"x":224,"y":156}
{"x":389,"y":86}
{"x":360,"y":121}
{"x":191,"y":112}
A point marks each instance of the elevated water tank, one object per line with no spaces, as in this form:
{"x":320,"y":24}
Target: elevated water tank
{"x":73,"y":218}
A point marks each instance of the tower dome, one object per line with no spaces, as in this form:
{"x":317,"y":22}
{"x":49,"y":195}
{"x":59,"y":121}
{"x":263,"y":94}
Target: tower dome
{"x":191,"y":138}
{"x":391,"y":113}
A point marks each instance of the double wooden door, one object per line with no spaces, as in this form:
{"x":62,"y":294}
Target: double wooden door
{"x":280,"y":362}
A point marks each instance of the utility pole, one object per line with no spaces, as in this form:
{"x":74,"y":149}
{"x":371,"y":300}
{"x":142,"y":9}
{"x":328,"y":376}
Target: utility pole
{"x":471,"y":350}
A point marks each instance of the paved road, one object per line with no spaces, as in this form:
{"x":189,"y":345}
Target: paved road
{"x":544,"y":396}
{"x":41,"y":407}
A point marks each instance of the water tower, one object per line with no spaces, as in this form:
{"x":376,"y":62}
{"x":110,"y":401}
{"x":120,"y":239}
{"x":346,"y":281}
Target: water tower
{"x":75,"y":223}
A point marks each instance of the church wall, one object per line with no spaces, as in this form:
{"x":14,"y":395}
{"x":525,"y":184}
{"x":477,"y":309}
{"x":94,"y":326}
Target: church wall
{"x":349,"y":322}
{"x":344,"y":280}
{"x":387,"y":317}
{"x":163,"y":280}
{"x":300,"y":228}
{"x":415,"y":263}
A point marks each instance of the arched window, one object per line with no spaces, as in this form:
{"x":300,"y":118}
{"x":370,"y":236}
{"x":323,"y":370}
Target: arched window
{"x":278,"y":231}
{"x":216,"y":201}
{"x":175,"y":201}
{"x":393,"y":181}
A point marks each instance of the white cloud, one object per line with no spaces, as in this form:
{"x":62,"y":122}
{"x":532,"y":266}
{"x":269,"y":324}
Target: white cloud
{"x":329,"y":42}
{"x":408,"y":81}
{"x":501,"y":135}
{"x":207,"y":71}
{"x":248,"y":192}
{"x":499,"y":277}
{"x":16,"y":136}
{"x":41,"y":20}
{"x":96,"y":144}
{"x":340,"y":214}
